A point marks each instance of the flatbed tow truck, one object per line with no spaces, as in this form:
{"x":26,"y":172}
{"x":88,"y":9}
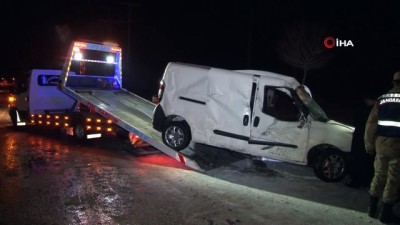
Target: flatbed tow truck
{"x":92,"y":75}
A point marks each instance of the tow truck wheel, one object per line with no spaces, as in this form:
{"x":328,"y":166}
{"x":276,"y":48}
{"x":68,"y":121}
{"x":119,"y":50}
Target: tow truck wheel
{"x":176,"y":135}
{"x":330,"y":166}
{"x":13,"y":116}
{"x":79,"y":131}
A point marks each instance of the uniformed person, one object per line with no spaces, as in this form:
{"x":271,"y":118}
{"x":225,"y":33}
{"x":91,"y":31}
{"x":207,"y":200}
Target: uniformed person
{"x":382,"y":136}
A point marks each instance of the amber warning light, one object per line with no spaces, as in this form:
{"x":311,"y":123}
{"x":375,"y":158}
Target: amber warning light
{"x":11,"y":99}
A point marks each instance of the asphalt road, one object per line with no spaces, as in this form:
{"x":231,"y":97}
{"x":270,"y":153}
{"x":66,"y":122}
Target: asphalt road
{"x":47,"y":178}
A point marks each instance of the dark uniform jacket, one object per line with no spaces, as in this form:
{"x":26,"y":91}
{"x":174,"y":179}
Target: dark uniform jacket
{"x":382,"y":130}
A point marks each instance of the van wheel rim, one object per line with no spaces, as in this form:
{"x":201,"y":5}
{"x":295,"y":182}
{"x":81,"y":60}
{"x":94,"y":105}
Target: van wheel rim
{"x":174,"y":136}
{"x":333,"y":166}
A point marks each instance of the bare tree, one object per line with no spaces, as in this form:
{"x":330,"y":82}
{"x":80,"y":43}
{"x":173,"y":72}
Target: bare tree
{"x":302,"y":46}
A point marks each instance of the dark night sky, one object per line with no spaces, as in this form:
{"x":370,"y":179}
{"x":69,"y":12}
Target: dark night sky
{"x":235,"y":34}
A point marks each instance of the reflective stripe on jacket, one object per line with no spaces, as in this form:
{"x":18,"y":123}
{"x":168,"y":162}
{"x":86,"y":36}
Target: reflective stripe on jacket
{"x":389,"y":115}
{"x":383,"y":146}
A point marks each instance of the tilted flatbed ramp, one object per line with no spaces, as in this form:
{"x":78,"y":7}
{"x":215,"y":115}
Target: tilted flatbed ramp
{"x":131,"y":113}
{"x":104,"y":94}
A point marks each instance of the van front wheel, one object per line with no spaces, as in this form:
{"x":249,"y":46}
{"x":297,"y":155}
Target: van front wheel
{"x":176,"y":135}
{"x":331,"y":166}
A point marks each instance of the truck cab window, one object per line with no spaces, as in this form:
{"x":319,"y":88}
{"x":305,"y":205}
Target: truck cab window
{"x":280,"y":105}
{"x":94,"y":63}
{"x":21,"y":85}
{"x":47,"y":80}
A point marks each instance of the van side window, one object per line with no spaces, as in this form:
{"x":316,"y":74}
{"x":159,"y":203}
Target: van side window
{"x":278,"y":104}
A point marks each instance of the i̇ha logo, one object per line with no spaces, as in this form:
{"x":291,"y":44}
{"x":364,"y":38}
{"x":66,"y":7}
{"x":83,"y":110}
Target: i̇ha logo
{"x":331,"y":42}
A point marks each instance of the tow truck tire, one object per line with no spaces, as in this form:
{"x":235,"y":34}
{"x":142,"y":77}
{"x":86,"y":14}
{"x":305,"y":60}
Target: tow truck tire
{"x":79,"y":131}
{"x":121,"y":133}
{"x":331,"y":166}
{"x":13,"y":116}
{"x":176,"y":135}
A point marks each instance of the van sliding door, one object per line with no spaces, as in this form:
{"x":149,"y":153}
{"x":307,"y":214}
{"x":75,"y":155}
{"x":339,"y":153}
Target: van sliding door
{"x":228,"y":109}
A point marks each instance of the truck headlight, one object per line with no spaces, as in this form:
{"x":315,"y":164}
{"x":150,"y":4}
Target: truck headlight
{"x":11,"y":99}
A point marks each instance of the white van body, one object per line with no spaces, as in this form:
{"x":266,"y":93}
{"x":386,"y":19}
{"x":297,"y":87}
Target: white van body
{"x":235,"y":110}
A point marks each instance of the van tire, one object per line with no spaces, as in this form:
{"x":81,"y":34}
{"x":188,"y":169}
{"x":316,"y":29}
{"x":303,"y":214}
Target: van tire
{"x":158,"y":118}
{"x":176,"y":135}
{"x":331,"y":165}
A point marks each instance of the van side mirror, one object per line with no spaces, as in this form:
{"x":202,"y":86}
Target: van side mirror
{"x":302,"y":121}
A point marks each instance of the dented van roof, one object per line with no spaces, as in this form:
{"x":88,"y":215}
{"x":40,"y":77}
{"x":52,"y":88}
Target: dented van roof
{"x":289,"y":80}
{"x":279,"y":78}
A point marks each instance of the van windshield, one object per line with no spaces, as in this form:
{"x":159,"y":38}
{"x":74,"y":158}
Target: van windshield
{"x":312,"y":106}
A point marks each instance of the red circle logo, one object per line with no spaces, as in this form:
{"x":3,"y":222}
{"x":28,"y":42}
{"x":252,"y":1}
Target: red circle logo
{"x":329,"y":42}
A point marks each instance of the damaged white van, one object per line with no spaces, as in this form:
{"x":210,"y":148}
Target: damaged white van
{"x":252,"y":112}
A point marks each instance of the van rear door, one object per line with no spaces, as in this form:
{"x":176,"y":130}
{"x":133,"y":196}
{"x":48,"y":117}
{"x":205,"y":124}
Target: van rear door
{"x":276,"y":130}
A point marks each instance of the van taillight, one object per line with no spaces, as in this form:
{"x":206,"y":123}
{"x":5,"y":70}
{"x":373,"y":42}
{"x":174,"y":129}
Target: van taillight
{"x":161,"y":90}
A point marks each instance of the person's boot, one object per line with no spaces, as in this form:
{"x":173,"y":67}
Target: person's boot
{"x":387,"y":214}
{"x":373,"y":206}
